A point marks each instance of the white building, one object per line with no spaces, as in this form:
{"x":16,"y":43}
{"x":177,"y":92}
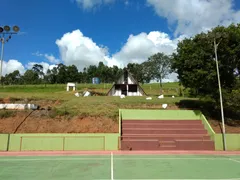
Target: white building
{"x":126,"y":85}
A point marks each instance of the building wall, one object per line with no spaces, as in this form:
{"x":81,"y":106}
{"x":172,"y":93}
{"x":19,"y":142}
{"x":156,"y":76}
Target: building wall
{"x":138,"y":93}
{"x":130,"y":80}
{"x":117,"y":93}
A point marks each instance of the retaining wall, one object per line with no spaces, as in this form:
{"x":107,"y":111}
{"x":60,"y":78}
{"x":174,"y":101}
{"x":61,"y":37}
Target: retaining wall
{"x":60,"y":142}
{"x":3,"y":142}
{"x":232,"y":142}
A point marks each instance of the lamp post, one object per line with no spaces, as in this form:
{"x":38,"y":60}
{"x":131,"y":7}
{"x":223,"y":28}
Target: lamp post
{"x":220,"y":93}
{"x":6,"y":31}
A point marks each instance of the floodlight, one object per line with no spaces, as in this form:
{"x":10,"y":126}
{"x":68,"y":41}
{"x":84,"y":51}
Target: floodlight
{"x":15,"y":28}
{"x":1,"y":29}
{"x":7,"y":28}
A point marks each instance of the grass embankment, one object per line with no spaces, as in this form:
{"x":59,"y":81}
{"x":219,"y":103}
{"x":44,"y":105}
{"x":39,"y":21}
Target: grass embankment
{"x":98,"y":105}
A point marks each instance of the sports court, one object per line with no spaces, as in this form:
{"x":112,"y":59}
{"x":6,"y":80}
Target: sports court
{"x":120,"y":167}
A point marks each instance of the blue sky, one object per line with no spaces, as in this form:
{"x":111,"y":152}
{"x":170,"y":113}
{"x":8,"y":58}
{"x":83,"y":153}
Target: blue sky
{"x":113,"y":31}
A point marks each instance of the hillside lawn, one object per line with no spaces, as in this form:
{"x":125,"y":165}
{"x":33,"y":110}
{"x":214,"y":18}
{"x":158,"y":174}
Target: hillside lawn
{"x":63,"y":112}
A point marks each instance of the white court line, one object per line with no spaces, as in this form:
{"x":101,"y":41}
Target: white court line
{"x":116,"y":158}
{"x":238,"y":161}
{"x":111,"y":166}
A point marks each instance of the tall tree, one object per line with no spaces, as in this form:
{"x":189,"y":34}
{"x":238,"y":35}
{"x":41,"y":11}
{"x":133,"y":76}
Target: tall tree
{"x":158,"y":67}
{"x":38,"y":68}
{"x":13,"y":78}
{"x":62,"y":73}
{"x":30,"y":77}
{"x":137,"y":71}
{"x":195,"y":65}
{"x":72,"y":73}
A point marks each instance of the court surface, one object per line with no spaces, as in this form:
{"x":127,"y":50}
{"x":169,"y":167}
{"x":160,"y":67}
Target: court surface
{"x":121,"y":167}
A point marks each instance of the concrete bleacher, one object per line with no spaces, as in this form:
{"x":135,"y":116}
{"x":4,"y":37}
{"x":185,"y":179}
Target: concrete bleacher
{"x":165,"y":134}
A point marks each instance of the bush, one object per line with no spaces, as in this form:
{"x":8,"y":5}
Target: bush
{"x":232,"y":105}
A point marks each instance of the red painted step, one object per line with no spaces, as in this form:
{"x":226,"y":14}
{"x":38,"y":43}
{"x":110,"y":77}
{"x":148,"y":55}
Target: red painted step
{"x":163,"y":131}
{"x":165,"y":138}
{"x":139,"y":144}
{"x":154,"y":145}
{"x":167,"y":143}
{"x":195,"y":144}
{"x":163,"y":121}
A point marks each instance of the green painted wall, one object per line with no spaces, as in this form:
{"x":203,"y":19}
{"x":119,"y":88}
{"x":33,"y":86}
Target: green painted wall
{"x":232,"y":142}
{"x":3,"y":142}
{"x":135,"y":114}
{"x":207,"y":126}
{"x":59,"y":142}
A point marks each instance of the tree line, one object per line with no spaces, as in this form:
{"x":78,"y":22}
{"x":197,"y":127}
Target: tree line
{"x":143,"y":73}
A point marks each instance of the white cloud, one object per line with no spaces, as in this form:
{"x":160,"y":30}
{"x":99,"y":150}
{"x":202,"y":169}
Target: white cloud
{"x":77,"y":49}
{"x":139,"y":47}
{"x":194,"y":16}
{"x":89,"y":4}
{"x":51,"y":58}
{"x":12,"y":65}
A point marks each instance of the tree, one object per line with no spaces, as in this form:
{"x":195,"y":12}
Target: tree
{"x":137,"y":71}
{"x":62,"y":73}
{"x":38,"y":68}
{"x":195,"y":65}
{"x":158,"y":67}
{"x":12,"y":78}
{"x":30,"y":77}
{"x":72,"y":73}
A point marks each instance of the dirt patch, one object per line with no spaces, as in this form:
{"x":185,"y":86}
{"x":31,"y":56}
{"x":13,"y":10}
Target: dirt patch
{"x":38,"y":124}
{"x":217,"y":127}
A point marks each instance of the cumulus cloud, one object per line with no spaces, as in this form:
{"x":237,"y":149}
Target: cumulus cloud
{"x":82,"y":51}
{"x":89,"y":4}
{"x":49,"y":57}
{"x":194,"y":16}
{"x":139,"y":47}
{"x":12,"y":65}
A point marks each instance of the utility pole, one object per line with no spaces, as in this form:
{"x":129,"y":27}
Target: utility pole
{"x":220,"y":94}
{"x":6,"y":31}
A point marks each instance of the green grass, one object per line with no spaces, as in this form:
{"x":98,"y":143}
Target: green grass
{"x":151,"y":89}
{"x":108,"y":106}
{"x":71,"y":105}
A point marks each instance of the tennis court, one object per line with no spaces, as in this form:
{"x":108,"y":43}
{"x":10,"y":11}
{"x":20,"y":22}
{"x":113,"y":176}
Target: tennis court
{"x":120,"y":167}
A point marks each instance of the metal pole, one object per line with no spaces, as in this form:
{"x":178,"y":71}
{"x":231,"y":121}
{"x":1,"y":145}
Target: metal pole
{"x":2,"y":41}
{"x":220,"y":93}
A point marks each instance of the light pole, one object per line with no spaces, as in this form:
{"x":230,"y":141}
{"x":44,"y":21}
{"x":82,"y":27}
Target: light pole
{"x":6,"y":31}
{"x":220,"y":93}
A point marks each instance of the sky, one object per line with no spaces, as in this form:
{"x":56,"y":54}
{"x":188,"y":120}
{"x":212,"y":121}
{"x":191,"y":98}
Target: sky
{"x":116,"y":32}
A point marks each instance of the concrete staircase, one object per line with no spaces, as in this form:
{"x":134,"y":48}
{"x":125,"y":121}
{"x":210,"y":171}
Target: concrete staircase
{"x":165,"y":135}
